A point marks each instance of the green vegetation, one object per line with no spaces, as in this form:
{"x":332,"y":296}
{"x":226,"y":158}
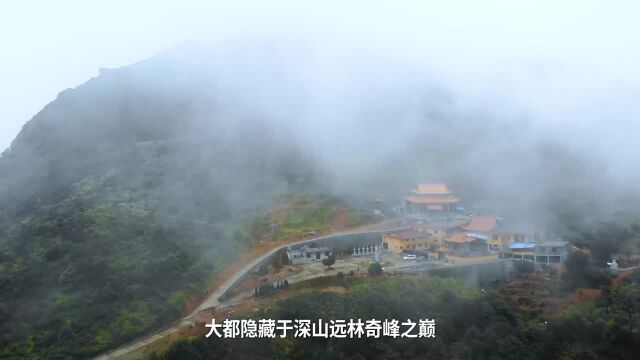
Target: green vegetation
{"x":470,"y":324}
{"x":119,"y":205}
{"x":298,"y":215}
{"x":580,"y":273}
{"x":329,"y":260}
{"x":94,"y":270}
{"x":102,"y":266}
{"x":115,"y":219}
{"x":302,"y":221}
{"x":375,"y":269}
{"x":122,"y":199}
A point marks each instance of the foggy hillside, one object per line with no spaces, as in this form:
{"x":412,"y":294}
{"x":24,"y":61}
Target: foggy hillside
{"x":372,"y":127}
{"x":122,"y":199}
{"x":127,"y":187}
{"x":149,"y":132}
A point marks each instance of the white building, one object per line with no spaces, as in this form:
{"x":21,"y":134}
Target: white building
{"x":552,"y":253}
{"x":306,"y":254}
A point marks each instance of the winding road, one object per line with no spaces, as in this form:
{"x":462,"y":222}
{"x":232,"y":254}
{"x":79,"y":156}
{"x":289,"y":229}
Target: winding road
{"x":214,"y":298}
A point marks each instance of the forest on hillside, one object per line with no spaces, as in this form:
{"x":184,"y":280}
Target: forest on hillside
{"x":114,"y":216}
{"x":470,"y":324}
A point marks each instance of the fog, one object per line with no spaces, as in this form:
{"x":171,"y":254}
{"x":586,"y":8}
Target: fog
{"x":522,"y":108}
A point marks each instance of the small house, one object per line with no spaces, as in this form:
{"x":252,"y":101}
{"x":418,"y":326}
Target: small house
{"x":306,"y":254}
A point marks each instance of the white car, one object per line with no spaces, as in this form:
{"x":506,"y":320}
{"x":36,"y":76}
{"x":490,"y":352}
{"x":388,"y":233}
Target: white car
{"x":409,"y":257}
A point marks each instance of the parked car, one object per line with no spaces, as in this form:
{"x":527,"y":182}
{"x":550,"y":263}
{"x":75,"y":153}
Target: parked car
{"x":409,"y":257}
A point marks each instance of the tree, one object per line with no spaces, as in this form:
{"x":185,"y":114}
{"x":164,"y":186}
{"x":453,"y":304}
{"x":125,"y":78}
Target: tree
{"x":329,"y":260}
{"x":580,"y":273}
{"x":576,"y":264}
{"x":375,"y":269}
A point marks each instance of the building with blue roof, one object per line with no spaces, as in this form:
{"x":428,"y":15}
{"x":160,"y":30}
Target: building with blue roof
{"x":552,"y":253}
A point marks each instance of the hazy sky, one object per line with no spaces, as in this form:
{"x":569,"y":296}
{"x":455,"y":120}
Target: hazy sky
{"x":569,"y":61}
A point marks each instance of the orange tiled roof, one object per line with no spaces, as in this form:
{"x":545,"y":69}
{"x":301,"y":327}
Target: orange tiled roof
{"x":422,"y":199}
{"x":482,"y":224}
{"x":460,"y":238}
{"x":433,"y":188}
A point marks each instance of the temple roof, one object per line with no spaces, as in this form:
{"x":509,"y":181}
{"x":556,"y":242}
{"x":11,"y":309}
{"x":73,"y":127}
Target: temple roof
{"x":432,"y":189}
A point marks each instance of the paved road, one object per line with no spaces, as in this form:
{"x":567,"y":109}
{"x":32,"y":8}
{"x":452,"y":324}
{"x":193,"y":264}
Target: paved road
{"x":214,"y":298}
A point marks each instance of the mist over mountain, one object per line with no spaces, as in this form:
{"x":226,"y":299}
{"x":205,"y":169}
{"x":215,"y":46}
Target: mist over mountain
{"x":122,"y":199}
{"x":128,"y":123}
{"x":373,"y":127}
{"x":128,"y":187}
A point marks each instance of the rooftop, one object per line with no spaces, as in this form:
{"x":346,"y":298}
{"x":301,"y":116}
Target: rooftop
{"x":429,"y":199}
{"x":475,"y":235}
{"x":461,"y":238}
{"x":482,"y":224}
{"x":521,"y":245}
{"x":306,"y":248}
{"x":431,"y":189}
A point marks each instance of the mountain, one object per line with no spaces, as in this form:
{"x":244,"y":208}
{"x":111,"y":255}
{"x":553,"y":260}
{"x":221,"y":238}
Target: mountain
{"x":124,"y":197}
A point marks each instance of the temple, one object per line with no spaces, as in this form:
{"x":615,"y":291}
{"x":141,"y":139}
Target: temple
{"x":431,"y":200}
